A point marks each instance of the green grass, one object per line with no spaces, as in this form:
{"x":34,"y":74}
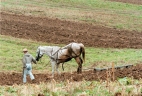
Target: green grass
{"x":98,"y":12}
{"x":114,"y":14}
{"x":100,"y":4}
{"x":67,"y":88}
{"x":11,"y":55}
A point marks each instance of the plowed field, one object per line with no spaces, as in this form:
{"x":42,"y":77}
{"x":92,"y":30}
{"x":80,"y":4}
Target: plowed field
{"x":139,"y":2}
{"x":63,"y":32}
{"x":16,"y":78}
{"x":57,"y":31}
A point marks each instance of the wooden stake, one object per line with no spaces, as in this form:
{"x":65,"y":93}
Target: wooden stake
{"x":113,"y":72}
{"x":107,"y":78}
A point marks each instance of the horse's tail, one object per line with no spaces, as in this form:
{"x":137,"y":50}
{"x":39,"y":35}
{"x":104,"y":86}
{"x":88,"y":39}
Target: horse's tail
{"x":83,"y":51}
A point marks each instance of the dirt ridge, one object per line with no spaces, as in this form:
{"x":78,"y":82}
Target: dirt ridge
{"x":90,"y":75}
{"x":63,"y":32}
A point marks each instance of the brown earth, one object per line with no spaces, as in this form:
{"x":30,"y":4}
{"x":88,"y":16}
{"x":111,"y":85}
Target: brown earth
{"x":16,"y":78}
{"x":63,"y":32}
{"x":59,"y":31}
{"x":139,"y":2}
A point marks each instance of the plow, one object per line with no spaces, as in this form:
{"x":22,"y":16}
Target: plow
{"x":114,"y":67}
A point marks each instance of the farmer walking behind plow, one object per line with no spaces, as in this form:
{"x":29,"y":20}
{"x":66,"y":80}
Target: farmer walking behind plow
{"x":27,"y":65}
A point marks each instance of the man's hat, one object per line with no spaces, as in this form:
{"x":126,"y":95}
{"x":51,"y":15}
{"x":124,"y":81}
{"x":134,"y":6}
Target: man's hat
{"x":25,"y":50}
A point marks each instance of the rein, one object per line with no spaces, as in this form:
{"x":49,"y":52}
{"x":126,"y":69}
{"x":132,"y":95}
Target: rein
{"x":39,"y":55}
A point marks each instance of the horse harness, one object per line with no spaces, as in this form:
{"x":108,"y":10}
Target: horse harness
{"x":70,"y":50}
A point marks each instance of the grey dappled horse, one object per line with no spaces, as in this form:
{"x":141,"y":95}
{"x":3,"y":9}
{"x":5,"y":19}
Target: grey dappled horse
{"x":59,"y":55}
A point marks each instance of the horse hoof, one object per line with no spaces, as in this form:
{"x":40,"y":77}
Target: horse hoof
{"x":79,"y":72}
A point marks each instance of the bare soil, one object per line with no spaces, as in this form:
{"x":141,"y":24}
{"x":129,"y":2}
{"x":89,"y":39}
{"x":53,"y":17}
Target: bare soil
{"x":63,"y":32}
{"x":90,"y":75}
{"x":139,"y":2}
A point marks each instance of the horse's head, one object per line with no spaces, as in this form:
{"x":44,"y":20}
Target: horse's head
{"x":39,"y":53}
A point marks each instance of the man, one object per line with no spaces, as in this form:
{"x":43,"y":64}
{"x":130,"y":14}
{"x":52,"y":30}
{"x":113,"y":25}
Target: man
{"x":27,"y":65}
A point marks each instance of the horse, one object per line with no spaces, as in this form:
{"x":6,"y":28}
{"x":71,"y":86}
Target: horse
{"x":64,"y":54}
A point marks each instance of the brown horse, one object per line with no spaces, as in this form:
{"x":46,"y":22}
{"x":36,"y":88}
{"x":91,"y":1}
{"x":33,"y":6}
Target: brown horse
{"x":59,"y":55}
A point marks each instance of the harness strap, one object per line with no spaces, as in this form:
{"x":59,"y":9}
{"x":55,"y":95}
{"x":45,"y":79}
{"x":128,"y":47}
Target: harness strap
{"x":69,"y":56}
{"x":71,"y":51}
{"x":55,"y":52}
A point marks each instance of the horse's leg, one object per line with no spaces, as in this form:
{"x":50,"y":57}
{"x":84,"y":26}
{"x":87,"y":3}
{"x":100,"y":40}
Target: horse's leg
{"x":57,"y":66}
{"x":79,"y":62}
{"x":53,"y":63}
